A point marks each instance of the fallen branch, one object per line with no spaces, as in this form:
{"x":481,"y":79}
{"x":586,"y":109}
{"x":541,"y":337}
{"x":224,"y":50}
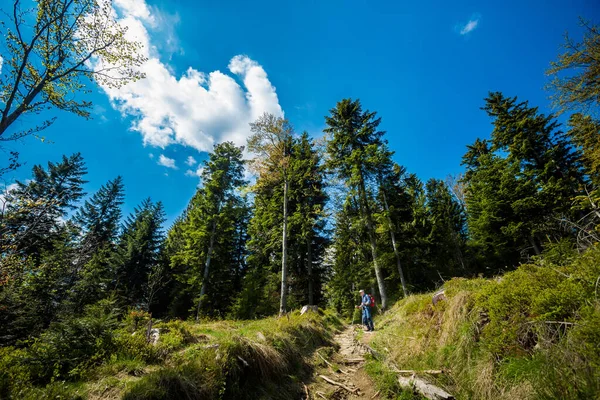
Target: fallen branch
{"x":424,"y":388}
{"x":331,"y":381}
{"x":353,"y":360}
{"x":425,"y":371}
{"x":321,"y":395}
{"x":326,"y":362}
{"x":306,"y":392}
{"x":369,"y":349}
{"x":376,"y":394}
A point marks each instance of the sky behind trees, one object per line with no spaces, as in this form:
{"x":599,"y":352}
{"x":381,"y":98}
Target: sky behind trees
{"x":215,"y":67}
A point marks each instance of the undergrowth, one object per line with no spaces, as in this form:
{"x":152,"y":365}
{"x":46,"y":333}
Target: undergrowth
{"x":533,"y":333}
{"x":265,"y":358}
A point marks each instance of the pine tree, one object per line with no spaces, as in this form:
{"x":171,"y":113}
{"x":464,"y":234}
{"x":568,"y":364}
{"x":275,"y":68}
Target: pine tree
{"x":307,"y":223}
{"x":212,"y":233}
{"x":356,"y":151}
{"x":99,"y":218}
{"x":395,"y":211}
{"x":521,"y":182}
{"x":448,"y":229}
{"x":138,"y":251}
{"x":34,"y":209}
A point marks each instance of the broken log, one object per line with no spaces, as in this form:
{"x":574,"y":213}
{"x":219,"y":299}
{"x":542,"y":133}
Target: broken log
{"x":331,"y":381}
{"x":424,"y":388}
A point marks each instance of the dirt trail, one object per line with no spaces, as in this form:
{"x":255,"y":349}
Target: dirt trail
{"x":344,"y":367}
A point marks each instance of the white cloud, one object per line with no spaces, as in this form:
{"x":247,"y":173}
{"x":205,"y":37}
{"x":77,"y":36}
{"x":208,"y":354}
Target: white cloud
{"x":469,"y":26}
{"x":196,"y":109}
{"x":197,"y":172}
{"x":191,"y":161}
{"x":1,"y":62}
{"x":151,"y":156}
{"x":166,"y":162}
{"x":7,"y":190}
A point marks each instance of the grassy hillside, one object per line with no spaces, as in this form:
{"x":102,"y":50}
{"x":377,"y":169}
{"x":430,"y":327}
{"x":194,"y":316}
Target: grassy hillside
{"x":533,"y":333}
{"x":266,"y":358}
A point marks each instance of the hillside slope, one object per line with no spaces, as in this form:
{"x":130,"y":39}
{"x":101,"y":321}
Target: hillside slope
{"x":263,"y":359}
{"x":533,"y":333}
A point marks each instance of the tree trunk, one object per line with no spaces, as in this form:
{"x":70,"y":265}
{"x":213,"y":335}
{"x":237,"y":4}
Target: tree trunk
{"x":211,"y":246}
{"x":284,"y":248}
{"x":535,"y":246}
{"x":373,"y":242}
{"x":309,"y":269}
{"x":393,"y":237}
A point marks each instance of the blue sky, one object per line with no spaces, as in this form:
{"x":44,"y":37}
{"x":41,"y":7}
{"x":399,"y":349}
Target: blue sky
{"x":425,"y":67}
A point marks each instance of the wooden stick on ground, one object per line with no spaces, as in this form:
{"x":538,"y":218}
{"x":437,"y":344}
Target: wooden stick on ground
{"x":353,"y":360}
{"x":425,"y":371}
{"x":321,"y":395}
{"x":338,"y":384}
{"x":326,"y":362}
{"x":306,"y":392}
{"x":376,"y":394}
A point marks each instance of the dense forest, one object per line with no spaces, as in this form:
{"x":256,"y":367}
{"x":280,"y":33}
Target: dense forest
{"x":319,"y":219}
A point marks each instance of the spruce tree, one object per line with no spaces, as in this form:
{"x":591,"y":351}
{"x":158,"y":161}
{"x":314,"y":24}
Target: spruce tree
{"x":138,"y":251}
{"x":34,"y":209}
{"x":356,"y":151}
{"x":204,"y":246}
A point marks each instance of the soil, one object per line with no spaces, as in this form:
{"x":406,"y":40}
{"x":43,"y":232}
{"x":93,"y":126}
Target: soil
{"x":345,"y":367}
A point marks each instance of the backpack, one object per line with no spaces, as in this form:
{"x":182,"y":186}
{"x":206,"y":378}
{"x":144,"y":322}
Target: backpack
{"x":372,"y":304}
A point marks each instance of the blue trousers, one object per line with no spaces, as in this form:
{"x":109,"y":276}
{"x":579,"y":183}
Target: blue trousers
{"x":367,"y":319}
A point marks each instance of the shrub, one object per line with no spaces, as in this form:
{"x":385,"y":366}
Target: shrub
{"x":74,"y":344}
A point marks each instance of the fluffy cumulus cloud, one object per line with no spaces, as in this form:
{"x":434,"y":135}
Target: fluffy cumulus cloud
{"x":166,"y":162}
{"x":196,"y":109}
{"x":470,"y":26}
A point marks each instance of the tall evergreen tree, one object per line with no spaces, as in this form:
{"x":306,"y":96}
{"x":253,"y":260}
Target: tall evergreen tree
{"x":138,"y":251}
{"x":395,"y":212}
{"x":307,"y":223}
{"x":34,"y":209}
{"x":212,"y":233}
{"x":448,"y":229}
{"x":521,"y":182}
{"x":356,"y":150}
{"x":99,"y":218}
{"x":98,"y":222}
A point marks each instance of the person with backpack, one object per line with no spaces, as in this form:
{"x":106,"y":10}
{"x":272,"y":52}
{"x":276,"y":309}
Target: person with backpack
{"x":367,"y":303}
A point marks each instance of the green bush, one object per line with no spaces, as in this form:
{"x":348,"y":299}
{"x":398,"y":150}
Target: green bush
{"x":14,"y":373}
{"x":71,"y":346}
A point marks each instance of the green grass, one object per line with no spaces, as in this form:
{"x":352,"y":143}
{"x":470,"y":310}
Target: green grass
{"x":533,"y":333}
{"x":267,"y":358}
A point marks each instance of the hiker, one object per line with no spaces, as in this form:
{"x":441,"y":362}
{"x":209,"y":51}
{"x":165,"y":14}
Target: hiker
{"x":365,"y":304}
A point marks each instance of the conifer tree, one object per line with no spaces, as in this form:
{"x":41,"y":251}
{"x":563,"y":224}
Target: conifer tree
{"x":205,"y":245}
{"x":34,"y":209}
{"x":356,"y":150}
{"x":138,"y":251}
